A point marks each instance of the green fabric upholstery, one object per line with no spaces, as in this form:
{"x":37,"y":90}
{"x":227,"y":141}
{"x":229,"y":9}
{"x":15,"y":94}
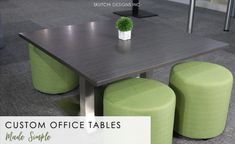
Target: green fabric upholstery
{"x":50,"y":76}
{"x":143,"y":97}
{"x":203,"y":93}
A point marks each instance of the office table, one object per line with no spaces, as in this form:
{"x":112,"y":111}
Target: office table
{"x":95,"y":52}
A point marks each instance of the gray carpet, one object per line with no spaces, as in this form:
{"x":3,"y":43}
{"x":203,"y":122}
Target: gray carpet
{"x":17,"y":96}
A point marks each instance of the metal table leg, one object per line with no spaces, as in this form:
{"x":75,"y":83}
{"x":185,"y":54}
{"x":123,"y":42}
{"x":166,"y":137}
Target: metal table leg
{"x":233,"y":11}
{"x":91,"y":99}
{"x":228,"y":15}
{"x":148,"y":74}
{"x":191,"y":16}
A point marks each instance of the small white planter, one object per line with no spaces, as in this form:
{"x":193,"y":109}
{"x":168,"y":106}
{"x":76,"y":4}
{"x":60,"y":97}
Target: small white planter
{"x":124,"y":35}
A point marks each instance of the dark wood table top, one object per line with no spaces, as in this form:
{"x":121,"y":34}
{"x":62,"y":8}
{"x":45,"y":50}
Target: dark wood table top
{"x":95,"y":52}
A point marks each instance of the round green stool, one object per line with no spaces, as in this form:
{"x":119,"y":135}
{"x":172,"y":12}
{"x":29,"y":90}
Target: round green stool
{"x":143,"y":97}
{"x":203,"y":93}
{"x":50,"y":76}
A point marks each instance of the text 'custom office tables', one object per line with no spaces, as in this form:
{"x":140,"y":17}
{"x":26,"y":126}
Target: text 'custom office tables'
{"x":95,"y":52}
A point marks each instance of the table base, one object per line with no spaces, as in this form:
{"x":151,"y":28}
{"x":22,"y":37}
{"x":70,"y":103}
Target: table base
{"x":140,"y":14}
{"x":91,"y":97}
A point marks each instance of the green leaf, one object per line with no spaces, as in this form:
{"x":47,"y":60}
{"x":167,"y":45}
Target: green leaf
{"x":124,"y":24}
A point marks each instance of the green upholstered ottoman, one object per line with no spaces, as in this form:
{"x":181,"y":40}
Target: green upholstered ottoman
{"x":50,"y":76}
{"x":202,"y":98}
{"x":143,"y":97}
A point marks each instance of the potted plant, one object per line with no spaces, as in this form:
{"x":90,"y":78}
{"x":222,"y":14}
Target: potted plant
{"x":124,"y":26}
